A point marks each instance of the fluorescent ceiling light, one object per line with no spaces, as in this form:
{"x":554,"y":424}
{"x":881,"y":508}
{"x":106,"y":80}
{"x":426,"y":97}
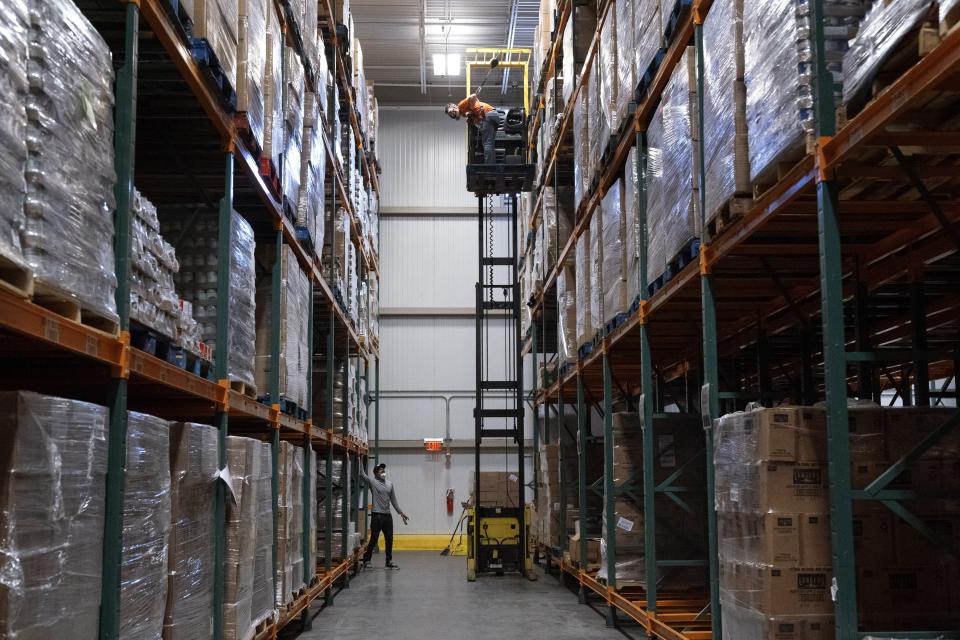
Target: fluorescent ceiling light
{"x":446,"y":65}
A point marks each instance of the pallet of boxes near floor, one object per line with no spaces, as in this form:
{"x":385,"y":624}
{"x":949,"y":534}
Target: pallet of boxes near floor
{"x":773,"y":503}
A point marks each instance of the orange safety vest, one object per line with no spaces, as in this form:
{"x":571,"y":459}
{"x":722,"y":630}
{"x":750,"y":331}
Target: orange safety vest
{"x":473,"y":109}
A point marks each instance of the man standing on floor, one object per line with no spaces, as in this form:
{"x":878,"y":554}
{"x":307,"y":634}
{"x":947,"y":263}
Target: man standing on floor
{"x":482,"y":116}
{"x":383,"y":495}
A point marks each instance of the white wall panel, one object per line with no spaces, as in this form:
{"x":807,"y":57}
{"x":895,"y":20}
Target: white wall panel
{"x":423,"y":154}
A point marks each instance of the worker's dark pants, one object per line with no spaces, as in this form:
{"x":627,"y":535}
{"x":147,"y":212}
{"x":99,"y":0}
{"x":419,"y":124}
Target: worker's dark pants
{"x":488,"y":134}
{"x":380,"y":522}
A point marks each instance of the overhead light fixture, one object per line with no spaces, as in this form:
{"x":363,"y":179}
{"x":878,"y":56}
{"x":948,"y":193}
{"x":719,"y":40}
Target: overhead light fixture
{"x":446,"y":64}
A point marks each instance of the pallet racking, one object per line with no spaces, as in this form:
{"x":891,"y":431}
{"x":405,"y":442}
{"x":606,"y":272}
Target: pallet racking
{"x":854,"y":247}
{"x":178,"y":141}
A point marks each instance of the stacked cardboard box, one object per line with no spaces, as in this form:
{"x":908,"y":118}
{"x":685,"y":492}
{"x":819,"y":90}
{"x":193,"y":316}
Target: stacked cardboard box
{"x":146,"y":527}
{"x":631,"y":206}
{"x":566,"y":315}
{"x":294,"y":314}
{"x":216,"y":22}
{"x":680,"y":534}
{"x":289,"y":570}
{"x":608,"y":81}
{"x":273,"y":135}
{"x":293,"y":104}
{"x":613,"y":248}
{"x":496,"y":489}
{"x":553,"y":528}
{"x":339,"y":483}
{"x":773,"y":522}
{"x":51,"y":536}
{"x":193,"y":490}
{"x":310,"y":210}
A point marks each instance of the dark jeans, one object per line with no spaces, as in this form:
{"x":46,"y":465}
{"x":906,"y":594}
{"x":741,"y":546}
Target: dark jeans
{"x":488,"y":134}
{"x":380,"y":522}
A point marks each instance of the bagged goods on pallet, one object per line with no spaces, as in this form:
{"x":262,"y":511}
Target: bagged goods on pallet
{"x":614,"y":252}
{"x":13,"y":129}
{"x":780,"y":110}
{"x":197,"y":282}
{"x":51,"y":536}
{"x":252,"y":63}
{"x":673,"y":200}
{"x":724,"y":106}
{"x":884,"y":32}
{"x":153,"y":299}
{"x":649,"y":29}
{"x":607,"y":64}
{"x":294,"y":330}
{"x":626,"y":65}
{"x":263,"y":585}
{"x":293,"y":98}
{"x":146,"y":527}
{"x":584,"y":277}
{"x":566,"y":315}
{"x":216,"y":22}
{"x":631,"y":201}
{"x":68,"y":236}
{"x":273,"y":92}
{"x":194,"y":459}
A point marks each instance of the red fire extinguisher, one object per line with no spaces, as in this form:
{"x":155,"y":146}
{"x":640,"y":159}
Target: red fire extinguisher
{"x":449,"y":502}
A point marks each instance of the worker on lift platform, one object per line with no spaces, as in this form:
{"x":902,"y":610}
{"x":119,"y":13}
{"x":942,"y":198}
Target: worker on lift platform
{"x":480,"y":115}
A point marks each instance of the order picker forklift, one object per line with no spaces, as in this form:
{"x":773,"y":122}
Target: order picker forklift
{"x":498,"y":536}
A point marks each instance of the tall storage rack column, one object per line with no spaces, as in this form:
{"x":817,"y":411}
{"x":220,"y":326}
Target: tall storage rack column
{"x":736,"y":316}
{"x":195,"y":158}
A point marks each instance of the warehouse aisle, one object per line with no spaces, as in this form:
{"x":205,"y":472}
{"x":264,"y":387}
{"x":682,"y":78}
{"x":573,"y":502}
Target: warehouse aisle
{"x":429,"y":598}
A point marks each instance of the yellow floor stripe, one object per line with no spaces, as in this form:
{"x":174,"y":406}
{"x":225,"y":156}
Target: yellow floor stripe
{"x":427,"y":542}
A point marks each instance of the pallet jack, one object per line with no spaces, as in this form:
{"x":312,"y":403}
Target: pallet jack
{"x":498,"y":536}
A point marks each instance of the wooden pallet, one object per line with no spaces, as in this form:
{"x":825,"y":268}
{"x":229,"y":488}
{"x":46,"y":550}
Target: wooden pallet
{"x":56,"y":301}
{"x":950,"y":21}
{"x":728,"y":213}
{"x":15,"y":278}
{"x":243,"y":388}
{"x":804,"y":145}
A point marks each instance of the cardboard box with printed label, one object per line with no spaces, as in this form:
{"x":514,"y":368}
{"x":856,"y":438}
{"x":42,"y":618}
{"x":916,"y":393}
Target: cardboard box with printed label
{"x":775,"y":538}
{"x":867,"y":438}
{"x":497,"y":489}
{"x":903,"y":589}
{"x":786,"y":590}
{"x":873,"y":538}
{"x":777,"y":487}
{"x":741,"y":623}
{"x":783,"y":434}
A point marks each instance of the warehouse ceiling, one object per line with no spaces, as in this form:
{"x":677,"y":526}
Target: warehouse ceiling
{"x":400,"y":37}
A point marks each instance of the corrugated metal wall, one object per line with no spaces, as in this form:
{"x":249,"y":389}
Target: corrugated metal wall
{"x":429,"y":262}
{"x":423,"y":153}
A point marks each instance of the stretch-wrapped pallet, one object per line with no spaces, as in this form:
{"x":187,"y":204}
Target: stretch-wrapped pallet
{"x":581,"y":147}
{"x":626,"y":64}
{"x":194,"y":457}
{"x":584,"y":277}
{"x":68,"y":235}
{"x":648,"y":34}
{"x":252,"y":63}
{"x":153,"y":264}
{"x":216,"y":22}
{"x":566,"y":315}
{"x":631,"y":204}
{"x":14,"y":23}
{"x":146,"y":528}
{"x":53,"y":471}
{"x":724,"y":106}
{"x":672,"y":214}
{"x":273,"y":138}
{"x":293,"y":102}
{"x":609,"y":87}
{"x":614,"y":228}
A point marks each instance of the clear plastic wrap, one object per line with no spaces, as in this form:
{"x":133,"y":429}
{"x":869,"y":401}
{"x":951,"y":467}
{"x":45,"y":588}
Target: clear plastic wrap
{"x":293,"y":99}
{"x":216,"y":22}
{"x":595,"y":121}
{"x":581,"y":148}
{"x":310,"y":213}
{"x":584,"y":267}
{"x":13,"y":128}
{"x":252,"y":63}
{"x":607,"y":64}
{"x":153,"y":299}
{"x":724,"y":106}
{"x":263,"y":580}
{"x":51,"y":515}
{"x":569,"y":64}
{"x":194,"y":457}
{"x":626,"y":65}
{"x":68,"y":236}
{"x":310,"y":32}
{"x":146,"y":528}
{"x":243,"y":461}
{"x":881,"y":34}
{"x":673,"y":199}
{"x":197,"y":282}
{"x":597,"y":250}
{"x":294,"y":332}
{"x":614,"y":252}
{"x":273,"y":92}
{"x":648,"y":33}
{"x":632,"y":236}
{"x":556,"y":213}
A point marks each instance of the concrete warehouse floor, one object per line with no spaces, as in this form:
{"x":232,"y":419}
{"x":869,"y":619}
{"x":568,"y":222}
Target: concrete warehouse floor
{"x":429,"y":598}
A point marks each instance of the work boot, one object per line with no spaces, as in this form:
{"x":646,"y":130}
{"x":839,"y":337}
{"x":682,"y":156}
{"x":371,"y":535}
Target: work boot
{"x":390,"y":565}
